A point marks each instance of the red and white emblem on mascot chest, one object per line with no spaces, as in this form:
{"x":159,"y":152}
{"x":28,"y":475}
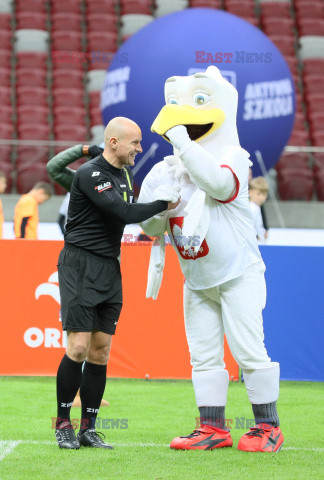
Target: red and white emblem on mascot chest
{"x":176,"y":224}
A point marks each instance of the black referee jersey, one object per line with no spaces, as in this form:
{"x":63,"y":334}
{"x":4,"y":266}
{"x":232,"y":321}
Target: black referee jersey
{"x":101,"y":204}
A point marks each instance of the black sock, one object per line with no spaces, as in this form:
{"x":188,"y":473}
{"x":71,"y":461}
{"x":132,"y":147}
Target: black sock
{"x":91,"y":392}
{"x":266,"y":413}
{"x":68,"y":381}
{"x":213,"y":416}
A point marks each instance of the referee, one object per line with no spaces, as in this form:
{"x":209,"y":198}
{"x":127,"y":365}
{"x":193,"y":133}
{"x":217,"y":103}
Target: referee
{"x":101,"y":204}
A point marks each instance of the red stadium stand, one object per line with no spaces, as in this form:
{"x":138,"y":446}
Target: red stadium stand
{"x":5,"y":95}
{"x":35,"y":20}
{"x":5,"y":113}
{"x":285,"y":43}
{"x":277,"y":26}
{"x":66,"y":21}
{"x":299,"y":123}
{"x":296,"y":186}
{"x":95,"y":98}
{"x":95,"y":116}
{"x":32,"y":96}
{"x":66,"y":6}
{"x":68,"y":78}
{"x":27,"y":155}
{"x":315,"y":101}
{"x":67,"y":115}
{"x":136,"y":6}
{"x":292,"y":63}
{"x":28,"y":175}
{"x":240,"y":8}
{"x":5,"y":74}
{"x":101,"y":6}
{"x":298,"y":138}
{"x":314,"y":83}
{"x":68,"y":97}
{"x":275,"y":10}
{"x":6,"y":130}
{"x":32,"y":113}
{"x":102,"y":23}
{"x":68,"y":60}
{"x":70,"y":132}
{"x":31,"y":77}
{"x":31,"y":60}
{"x":310,"y":26}
{"x":316,"y":120}
{"x":66,"y":41}
{"x":5,"y":39}
{"x":206,"y":3}
{"x":5,"y":56}
{"x":309,"y":9}
{"x":36,"y":6}
{"x":317,"y":137}
{"x":293,"y":161}
{"x":5,"y":21}
{"x":313,"y":65}
{"x":33,"y":131}
{"x":102,"y":42}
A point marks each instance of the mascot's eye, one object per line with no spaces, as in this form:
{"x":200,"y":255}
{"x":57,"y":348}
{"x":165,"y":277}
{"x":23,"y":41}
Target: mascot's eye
{"x":173,"y":100}
{"x":201,"y":98}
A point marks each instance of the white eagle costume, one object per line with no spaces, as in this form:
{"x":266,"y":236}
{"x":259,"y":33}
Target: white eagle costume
{"x":214,"y":237}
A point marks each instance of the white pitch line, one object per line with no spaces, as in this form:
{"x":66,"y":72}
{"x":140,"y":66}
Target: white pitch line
{"x":7,"y":446}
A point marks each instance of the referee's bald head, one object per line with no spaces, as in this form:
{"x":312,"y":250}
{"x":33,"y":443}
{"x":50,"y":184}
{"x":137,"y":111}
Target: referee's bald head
{"x":118,"y":128}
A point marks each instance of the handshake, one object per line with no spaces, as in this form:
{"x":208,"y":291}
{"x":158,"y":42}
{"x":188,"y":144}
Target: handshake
{"x":168,"y":193}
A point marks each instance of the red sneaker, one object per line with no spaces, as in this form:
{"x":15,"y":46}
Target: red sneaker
{"x":204,"y":438}
{"x":262,"y":438}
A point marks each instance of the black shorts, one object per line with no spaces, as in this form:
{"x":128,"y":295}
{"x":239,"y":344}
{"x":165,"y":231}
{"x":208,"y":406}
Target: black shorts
{"x":90,"y":289}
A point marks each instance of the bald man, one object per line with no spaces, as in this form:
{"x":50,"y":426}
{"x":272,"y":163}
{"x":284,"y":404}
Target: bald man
{"x":101,"y":204}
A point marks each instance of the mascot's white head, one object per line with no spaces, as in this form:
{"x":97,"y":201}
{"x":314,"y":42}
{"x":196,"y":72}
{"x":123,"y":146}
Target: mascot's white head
{"x":206,"y":104}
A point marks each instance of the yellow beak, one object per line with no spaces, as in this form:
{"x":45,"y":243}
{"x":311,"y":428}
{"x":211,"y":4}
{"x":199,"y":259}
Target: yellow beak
{"x":199,"y":123}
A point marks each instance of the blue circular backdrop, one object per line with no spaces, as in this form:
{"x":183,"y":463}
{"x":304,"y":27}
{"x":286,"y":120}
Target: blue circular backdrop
{"x":192,"y":40}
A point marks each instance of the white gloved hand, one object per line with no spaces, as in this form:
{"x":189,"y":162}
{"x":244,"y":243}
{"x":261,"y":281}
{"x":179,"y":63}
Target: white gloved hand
{"x":177,"y":170}
{"x":178,"y":136}
{"x":169,"y":193}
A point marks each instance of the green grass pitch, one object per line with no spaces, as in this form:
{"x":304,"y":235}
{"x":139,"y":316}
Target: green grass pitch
{"x":156,"y":411}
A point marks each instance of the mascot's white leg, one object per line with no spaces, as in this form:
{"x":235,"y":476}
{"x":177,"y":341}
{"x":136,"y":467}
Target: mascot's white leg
{"x":205,"y":336}
{"x":242,"y":301}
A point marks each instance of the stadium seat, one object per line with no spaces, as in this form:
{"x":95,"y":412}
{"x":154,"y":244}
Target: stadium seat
{"x":285,"y":43}
{"x":28,"y":155}
{"x":102,"y":42}
{"x":292,"y":161}
{"x":33,"y":20}
{"x":75,"y":133}
{"x":311,"y":47}
{"x":314,"y":83}
{"x":316,"y":120}
{"x":310,"y":26}
{"x":299,"y":123}
{"x":295,"y":187}
{"x":294,"y":171}
{"x":165,"y":7}
{"x":68,"y":97}
{"x":315,"y":102}
{"x":28,"y":175}
{"x":66,"y":21}
{"x":5,"y":21}
{"x":102,"y":23}
{"x":5,"y":39}
{"x":96,"y":79}
{"x":240,"y":8}
{"x":132,"y":23}
{"x":99,"y":60}
{"x":31,"y":60}
{"x":32,"y":113}
{"x":5,"y":56}
{"x":136,"y":7}
{"x":6,"y":113}
{"x":68,"y":60}
{"x":277,"y":26}
{"x":6,"y":130}
{"x":66,"y":6}
{"x":5,"y":77}
{"x":35,"y":6}
{"x":313,"y":66}
{"x":101,"y":6}
{"x":206,"y":3}
{"x":66,"y":78}
{"x":309,"y":9}
{"x":66,"y":115}
{"x":31,"y":77}
{"x":95,"y":99}
{"x":292,"y":63}
{"x":5,"y":96}
{"x":66,"y":41}
{"x":32,"y":96}
{"x":95,"y":116}
{"x":33,"y":131}
{"x":317,"y":137}
{"x":275,"y":9}
{"x":31,"y":40}
{"x":298,"y":138}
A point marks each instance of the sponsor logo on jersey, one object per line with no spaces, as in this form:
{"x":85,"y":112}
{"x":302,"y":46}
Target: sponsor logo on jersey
{"x":122,"y":186}
{"x":103,"y":186}
{"x":95,"y":174}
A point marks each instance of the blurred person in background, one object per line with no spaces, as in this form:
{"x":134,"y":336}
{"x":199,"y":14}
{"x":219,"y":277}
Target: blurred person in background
{"x":26,"y":211}
{"x":264,"y":218}
{"x":3,"y":186}
{"x":258,"y":193}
